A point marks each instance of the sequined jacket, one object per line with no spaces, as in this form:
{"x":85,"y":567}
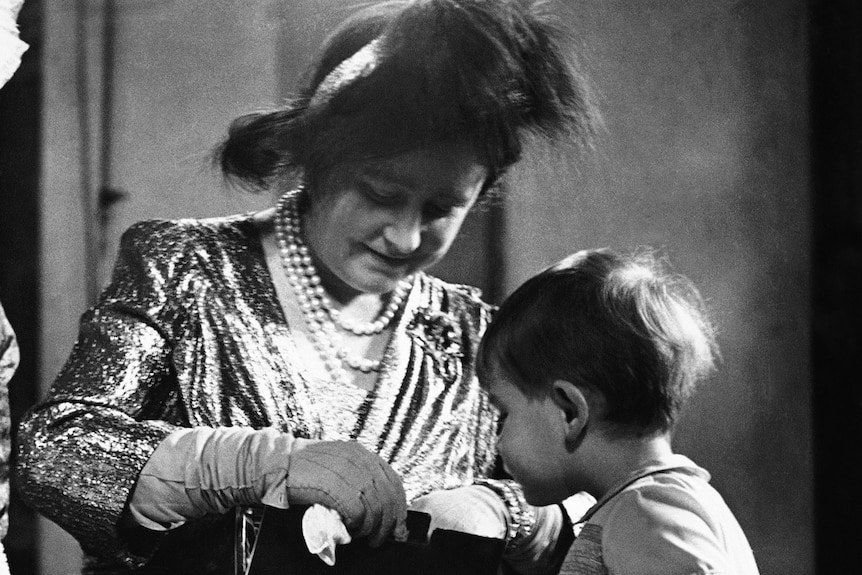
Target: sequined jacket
{"x":190,"y":332}
{"x":8,"y":364}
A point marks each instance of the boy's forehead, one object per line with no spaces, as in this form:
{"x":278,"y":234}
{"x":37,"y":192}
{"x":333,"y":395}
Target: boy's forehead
{"x":491,"y":372}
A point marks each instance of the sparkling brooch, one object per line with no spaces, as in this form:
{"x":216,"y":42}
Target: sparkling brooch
{"x":439,"y":335}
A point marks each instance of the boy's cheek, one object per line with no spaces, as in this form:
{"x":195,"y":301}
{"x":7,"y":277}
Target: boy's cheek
{"x":533,"y":497}
{"x":506,"y":467}
{"x":535,"y":491}
{"x":503,"y":452}
{"x":509,"y":455}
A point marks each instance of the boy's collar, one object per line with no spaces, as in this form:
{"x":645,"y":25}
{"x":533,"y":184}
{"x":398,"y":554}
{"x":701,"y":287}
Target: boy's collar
{"x":669,"y":463}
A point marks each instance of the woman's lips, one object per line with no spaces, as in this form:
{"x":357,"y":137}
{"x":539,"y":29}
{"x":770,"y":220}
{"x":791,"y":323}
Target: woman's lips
{"x":399,"y":264}
{"x":391,"y":261}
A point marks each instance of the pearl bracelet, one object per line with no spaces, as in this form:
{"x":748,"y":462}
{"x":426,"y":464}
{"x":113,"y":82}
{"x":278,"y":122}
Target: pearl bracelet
{"x":522,"y":515}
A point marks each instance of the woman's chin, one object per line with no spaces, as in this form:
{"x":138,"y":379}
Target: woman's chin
{"x":384,"y":285}
{"x":377,"y":278}
{"x":375,"y":282}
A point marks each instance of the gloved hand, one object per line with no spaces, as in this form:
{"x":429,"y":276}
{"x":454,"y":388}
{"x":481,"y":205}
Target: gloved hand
{"x":355,"y":482}
{"x":212,"y":470}
{"x":470,"y":509}
{"x":478,"y":510}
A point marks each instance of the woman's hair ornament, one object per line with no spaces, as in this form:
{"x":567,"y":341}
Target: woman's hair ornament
{"x":360,"y":65}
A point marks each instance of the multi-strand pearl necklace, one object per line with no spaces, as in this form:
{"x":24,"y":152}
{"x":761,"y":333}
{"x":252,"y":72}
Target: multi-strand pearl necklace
{"x":321,"y":317}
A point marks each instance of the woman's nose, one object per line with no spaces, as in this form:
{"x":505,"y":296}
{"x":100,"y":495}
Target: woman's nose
{"x":404,"y":234}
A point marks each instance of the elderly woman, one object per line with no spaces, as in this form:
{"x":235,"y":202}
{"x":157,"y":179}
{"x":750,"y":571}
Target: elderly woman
{"x":301,"y":355}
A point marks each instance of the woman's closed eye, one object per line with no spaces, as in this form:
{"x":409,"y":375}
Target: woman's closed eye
{"x":379,"y":194}
{"x":438,"y":211}
{"x":446,"y":206}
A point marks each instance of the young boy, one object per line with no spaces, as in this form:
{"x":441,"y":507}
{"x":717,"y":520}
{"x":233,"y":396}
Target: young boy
{"x":589,"y":363}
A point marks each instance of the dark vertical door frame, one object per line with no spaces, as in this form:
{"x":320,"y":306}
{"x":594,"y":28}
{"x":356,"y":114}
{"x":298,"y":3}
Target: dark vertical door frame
{"x":836,"y":92}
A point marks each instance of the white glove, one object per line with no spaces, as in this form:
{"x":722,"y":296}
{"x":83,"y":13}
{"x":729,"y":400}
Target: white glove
{"x":471,"y":509}
{"x":479,"y":510}
{"x":212,"y":470}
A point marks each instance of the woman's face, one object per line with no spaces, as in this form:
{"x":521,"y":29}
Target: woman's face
{"x":372,"y":224}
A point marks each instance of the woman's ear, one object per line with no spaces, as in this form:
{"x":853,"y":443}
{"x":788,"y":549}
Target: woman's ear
{"x":576,"y":410}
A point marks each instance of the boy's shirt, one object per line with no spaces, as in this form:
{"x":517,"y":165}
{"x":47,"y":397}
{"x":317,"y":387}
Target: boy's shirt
{"x":663,"y":519}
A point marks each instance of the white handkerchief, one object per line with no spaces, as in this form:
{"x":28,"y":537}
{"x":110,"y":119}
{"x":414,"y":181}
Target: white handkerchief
{"x":322,"y":530}
{"x":578,"y":504}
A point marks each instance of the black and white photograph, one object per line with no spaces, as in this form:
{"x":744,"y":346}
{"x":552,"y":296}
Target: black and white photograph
{"x":430,"y":287}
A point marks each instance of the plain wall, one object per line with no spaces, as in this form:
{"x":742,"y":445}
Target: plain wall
{"x":704,"y":156}
{"x":181,"y":72}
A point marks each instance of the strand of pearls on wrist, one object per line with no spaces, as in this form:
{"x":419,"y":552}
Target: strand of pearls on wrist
{"x":320,"y":316}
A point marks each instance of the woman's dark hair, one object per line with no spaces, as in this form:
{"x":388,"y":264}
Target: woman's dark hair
{"x":481,"y":71}
{"x":616,"y":324}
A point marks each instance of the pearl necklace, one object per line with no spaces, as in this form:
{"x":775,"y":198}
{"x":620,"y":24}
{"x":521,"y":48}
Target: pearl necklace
{"x":320,"y":315}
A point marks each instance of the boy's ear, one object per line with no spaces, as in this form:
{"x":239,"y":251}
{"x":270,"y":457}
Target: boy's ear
{"x":575,"y":407}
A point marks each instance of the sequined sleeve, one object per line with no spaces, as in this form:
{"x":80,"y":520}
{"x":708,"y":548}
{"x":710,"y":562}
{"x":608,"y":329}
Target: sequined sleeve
{"x":8,"y":363}
{"x":81,"y":450}
{"x":486,"y":429}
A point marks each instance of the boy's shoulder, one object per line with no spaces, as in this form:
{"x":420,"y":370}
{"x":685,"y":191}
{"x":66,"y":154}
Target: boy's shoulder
{"x":669,"y":520}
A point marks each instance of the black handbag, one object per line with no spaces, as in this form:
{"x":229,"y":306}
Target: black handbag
{"x":278,"y":548}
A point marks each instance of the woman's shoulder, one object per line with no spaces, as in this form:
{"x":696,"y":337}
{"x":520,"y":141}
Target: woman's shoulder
{"x":190,"y":229}
{"x":447,"y":316}
{"x":453,"y":297}
{"x":174,"y":249}
{"x":187,"y":236}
